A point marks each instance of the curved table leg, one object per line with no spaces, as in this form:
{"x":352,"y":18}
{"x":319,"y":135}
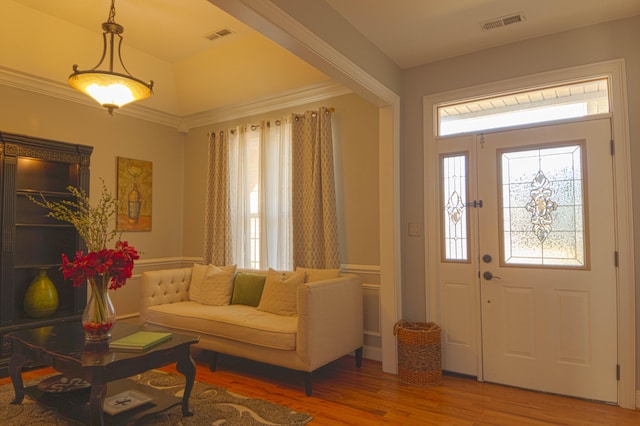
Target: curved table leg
{"x":187,"y":367}
{"x":96,"y":401}
{"x":16,"y":362}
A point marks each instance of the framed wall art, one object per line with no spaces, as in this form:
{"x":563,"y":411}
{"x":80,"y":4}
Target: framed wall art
{"x":135,"y":178}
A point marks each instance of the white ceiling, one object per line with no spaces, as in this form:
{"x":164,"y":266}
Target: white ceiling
{"x":415,"y":32}
{"x":171,"y":34}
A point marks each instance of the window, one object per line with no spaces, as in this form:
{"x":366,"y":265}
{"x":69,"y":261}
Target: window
{"x":535,"y":106}
{"x":454,"y":211}
{"x":260,"y":195}
{"x":550,"y":229}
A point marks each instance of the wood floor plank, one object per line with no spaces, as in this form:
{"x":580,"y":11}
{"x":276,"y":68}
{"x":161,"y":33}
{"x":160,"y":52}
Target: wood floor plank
{"x":345,"y":395}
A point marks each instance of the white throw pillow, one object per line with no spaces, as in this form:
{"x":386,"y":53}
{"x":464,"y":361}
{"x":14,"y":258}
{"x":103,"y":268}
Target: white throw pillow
{"x":197,"y":276}
{"x":217,"y":285}
{"x":280,"y":292}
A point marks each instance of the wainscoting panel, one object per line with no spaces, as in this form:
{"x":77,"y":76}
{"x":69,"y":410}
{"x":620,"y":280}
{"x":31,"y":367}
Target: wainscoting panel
{"x":371,"y":304}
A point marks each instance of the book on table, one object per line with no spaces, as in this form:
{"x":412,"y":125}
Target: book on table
{"x":139,"y":341}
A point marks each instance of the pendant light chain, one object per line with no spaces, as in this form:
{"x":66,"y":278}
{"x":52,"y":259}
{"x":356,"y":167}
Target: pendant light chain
{"x":112,"y":12}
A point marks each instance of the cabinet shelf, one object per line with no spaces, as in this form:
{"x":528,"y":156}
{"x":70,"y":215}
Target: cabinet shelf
{"x":36,"y":193}
{"x":44,"y":225}
{"x":39,"y":266}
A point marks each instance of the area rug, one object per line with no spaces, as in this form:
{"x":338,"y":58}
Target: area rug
{"x":212,"y":405}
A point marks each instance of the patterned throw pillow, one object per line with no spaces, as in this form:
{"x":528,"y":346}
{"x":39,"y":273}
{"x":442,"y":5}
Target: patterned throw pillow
{"x":280,"y":292}
{"x":197,"y":276}
{"x":217,"y":285}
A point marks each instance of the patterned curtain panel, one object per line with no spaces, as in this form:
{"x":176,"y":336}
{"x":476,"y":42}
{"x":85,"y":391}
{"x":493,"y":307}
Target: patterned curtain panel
{"x":315,"y":231}
{"x":217,"y":236}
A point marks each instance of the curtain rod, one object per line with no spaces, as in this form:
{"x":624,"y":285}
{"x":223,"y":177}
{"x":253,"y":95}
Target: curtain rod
{"x":329,"y":109}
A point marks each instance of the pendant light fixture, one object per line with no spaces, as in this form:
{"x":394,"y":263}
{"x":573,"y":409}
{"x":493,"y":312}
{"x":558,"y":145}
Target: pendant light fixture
{"x":109,"y":88}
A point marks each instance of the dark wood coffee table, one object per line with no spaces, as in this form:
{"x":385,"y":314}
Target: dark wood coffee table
{"x":63,"y":347}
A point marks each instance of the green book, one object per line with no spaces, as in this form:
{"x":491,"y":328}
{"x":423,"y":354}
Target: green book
{"x":139,"y":341}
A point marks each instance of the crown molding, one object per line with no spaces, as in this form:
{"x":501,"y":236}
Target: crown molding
{"x":289,"y":99}
{"x":33,"y":83}
{"x":312,"y":93}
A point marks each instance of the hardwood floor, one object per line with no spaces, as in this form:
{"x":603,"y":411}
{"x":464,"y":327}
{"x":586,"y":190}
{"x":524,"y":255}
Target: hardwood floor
{"x":344,"y":395}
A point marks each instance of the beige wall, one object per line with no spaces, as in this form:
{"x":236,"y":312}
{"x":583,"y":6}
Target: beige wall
{"x":355,"y":129}
{"x":598,"y":43}
{"x":42,"y":116}
{"x":179,"y":167}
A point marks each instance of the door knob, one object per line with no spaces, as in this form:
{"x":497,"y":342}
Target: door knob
{"x":487,"y":275}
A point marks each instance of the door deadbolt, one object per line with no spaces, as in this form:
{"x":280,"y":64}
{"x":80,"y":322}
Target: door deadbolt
{"x":487,"y":258}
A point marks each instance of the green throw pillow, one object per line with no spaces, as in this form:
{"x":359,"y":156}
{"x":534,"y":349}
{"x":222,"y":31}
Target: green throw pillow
{"x":247,"y":289}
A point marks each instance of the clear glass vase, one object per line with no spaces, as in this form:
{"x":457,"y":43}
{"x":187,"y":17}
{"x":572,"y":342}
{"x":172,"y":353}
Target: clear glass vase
{"x":99,"y":316}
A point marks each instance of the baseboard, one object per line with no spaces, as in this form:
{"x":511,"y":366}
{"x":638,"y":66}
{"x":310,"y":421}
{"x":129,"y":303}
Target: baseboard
{"x":373,"y":353}
{"x":637,"y":399}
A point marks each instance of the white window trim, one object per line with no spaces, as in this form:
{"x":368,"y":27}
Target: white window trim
{"x":615,"y":70}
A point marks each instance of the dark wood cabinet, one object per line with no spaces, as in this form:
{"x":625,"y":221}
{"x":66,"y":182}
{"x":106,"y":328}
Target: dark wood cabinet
{"x":31,"y":241}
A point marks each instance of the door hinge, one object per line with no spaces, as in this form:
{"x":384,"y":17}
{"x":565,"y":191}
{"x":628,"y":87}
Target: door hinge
{"x":616,"y":258}
{"x":613,"y":147}
{"x":617,"y":371}
{"x":474,"y":204}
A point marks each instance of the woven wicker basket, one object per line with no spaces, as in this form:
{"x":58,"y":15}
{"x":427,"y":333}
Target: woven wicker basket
{"x":419,"y":353}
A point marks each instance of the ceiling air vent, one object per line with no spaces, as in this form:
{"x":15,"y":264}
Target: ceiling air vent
{"x":218,"y":34}
{"x":502,"y":21}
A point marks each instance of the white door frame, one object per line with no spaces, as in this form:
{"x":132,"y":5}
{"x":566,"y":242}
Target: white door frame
{"x":615,"y":71}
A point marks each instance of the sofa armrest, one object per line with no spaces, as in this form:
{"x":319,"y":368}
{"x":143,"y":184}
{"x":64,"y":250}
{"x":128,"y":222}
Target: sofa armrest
{"x":330,"y":319}
{"x":165,"y":286}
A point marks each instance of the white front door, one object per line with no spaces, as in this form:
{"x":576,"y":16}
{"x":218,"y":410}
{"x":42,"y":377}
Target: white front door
{"x":541,"y":260}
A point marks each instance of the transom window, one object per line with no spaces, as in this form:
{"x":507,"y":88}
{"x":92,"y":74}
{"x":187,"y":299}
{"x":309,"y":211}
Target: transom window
{"x":574,"y":100}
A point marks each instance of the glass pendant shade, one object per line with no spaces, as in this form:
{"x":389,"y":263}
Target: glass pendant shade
{"x":109,"y":88}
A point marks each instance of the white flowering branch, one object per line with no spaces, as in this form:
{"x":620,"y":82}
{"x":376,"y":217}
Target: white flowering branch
{"x":92,"y":223}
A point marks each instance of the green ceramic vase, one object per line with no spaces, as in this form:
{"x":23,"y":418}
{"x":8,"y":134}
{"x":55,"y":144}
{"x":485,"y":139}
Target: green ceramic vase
{"x":41,"y":297}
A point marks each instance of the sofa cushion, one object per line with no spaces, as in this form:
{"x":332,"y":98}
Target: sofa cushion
{"x":217,"y":285}
{"x":280,"y":290}
{"x":247,"y":289}
{"x":236,"y":322}
{"x":313,"y":275}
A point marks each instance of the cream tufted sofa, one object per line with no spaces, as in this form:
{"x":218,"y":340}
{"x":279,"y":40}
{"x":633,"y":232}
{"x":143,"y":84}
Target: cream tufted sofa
{"x":329,"y":323}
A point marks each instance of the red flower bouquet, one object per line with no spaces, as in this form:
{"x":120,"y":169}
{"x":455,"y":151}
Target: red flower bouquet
{"x":116,"y":265}
{"x":105,"y":269}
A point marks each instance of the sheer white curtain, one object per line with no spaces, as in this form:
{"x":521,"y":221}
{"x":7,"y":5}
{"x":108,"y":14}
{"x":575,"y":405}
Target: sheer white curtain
{"x":271,"y":195}
{"x":260,"y":195}
{"x":276,"y":202}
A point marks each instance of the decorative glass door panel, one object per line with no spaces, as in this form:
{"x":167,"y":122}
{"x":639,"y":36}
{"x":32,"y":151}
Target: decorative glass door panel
{"x":454,"y":197}
{"x":543,"y":218}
